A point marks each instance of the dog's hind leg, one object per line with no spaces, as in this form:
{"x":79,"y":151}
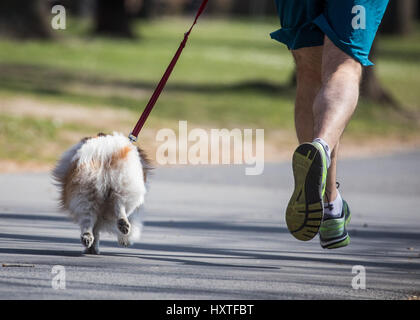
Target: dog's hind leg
{"x":128,"y":239}
{"x":86,"y":227}
{"x":124,"y":240}
{"x":94,"y":248}
{"x":122,"y":221}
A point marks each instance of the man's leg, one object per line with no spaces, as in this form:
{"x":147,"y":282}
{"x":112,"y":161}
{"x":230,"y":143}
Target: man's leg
{"x":304,"y":211}
{"x":317,"y":70}
{"x":331,"y":188}
{"x":309,"y":81}
{"x":334,"y":98}
{"x":335,"y":103}
{"x":333,"y":107}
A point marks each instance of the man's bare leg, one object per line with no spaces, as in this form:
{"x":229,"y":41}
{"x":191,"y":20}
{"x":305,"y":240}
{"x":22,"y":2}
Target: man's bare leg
{"x":304,"y":211}
{"x":335,"y":102}
{"x":309,"y":81}
{"x":333,"y":107}
{"x":331,"y":188}
{"x":327,"y":94}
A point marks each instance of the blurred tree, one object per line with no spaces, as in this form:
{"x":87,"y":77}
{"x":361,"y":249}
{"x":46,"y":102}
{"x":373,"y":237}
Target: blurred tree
{"x":398,"y":20}
{"x":372,"y":89}
{"x":254,"y":8}
{"x":399,"y":17}
{"x":215,"y":7}
{"x":72,"y":6}
{"x":418,"y":10}
{"x":112,"y":18}
{"x":25,"y":19}
{"x":76,"y":7}
{"x":146,"y":9}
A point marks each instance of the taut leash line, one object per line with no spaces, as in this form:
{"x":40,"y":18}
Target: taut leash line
{"x":155,"y":96}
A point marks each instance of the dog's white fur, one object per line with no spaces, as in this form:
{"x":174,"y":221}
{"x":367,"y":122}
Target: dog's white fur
{"x":102,"y":183}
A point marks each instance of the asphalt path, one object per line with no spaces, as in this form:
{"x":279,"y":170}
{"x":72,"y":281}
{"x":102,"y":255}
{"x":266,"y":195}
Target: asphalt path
{"x":215,"y":233}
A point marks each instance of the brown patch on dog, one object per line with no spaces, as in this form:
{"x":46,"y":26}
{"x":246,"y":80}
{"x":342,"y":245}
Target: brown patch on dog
{"x":68,"y":185}
{"x":145,"y":163}
{"x":94,"y":164}
{"x":119,"y":155}
{"x":85,"y":139}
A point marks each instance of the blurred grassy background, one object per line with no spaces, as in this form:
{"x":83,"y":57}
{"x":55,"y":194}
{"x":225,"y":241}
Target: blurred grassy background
{"x":230,"y":75}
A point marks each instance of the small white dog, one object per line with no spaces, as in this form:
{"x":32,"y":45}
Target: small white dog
{"x":103,"y":183}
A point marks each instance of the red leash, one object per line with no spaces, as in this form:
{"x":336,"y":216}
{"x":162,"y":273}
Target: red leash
{"x":134,"y":134}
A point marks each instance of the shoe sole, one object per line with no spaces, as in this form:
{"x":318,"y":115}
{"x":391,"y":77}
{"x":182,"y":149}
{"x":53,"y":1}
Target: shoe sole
{"x":305,"y":209}
{"x":340,"y":244}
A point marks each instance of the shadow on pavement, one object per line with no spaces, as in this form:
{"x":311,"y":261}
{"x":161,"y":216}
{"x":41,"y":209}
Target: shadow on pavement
{"x":41,"y":252}
{"x":32,"y":217}
{"x":185,"y":254}
{"x":210,"y":225}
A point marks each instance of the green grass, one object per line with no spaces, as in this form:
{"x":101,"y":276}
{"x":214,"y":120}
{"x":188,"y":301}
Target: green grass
{"x":234,"y":77}
{"x":230,"y":74}
{"x":399,"y":68}
{"x":217,"y":51}
{"x":36,"y":140}
{"x":23,"y":138}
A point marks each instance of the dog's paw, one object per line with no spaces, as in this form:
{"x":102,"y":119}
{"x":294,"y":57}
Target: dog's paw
{"x":123,"y":226}
{"x":87,"y":239}
{"x":123,"y":241}
{"x":92,"y":250}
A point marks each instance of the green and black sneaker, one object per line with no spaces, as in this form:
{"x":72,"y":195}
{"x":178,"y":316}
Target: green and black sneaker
{"x":305,"y":210}
{"x":333,"y":233}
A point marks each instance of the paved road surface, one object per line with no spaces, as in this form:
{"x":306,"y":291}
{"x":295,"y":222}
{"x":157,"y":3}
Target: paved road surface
{"x":214,"y":233}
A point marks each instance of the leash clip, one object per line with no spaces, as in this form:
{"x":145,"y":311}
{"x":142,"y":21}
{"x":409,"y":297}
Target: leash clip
{"x":132,"y":137}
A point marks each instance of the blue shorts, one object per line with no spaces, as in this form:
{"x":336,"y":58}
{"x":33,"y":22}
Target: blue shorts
{"x":350,"y":24}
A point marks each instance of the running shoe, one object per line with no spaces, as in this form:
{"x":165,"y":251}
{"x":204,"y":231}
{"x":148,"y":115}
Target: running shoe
{"x":305,"y":210}
{"x":333,"y":232}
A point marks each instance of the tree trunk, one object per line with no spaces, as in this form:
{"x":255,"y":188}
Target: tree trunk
{"x":146,"y":10}
{"x":112,"y":19}
{"x":371,"y":87}
{"x":418,"y":11}
{"x":217,"y":7}
{"x":399,"y":17}
{"x":25,"y":19}
{"x":254,"y":7}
